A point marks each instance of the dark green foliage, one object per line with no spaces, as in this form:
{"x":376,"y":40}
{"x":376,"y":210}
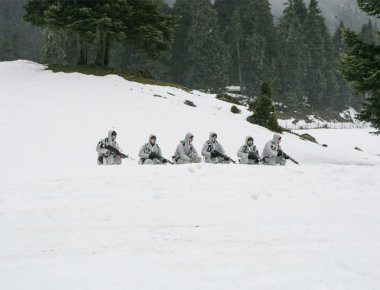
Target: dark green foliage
{"x":235,"y":110}
{"x":371,"y":7}
{"x":248,"y":32}
{"x":360,"y":65}
{"x":308,"y":137}
{"x":230,"y":99}
{"x":140,"y":22}
{"x":199,"y":56}
{"x":263,"y":110}
{"x":294,"y":57}
{"x":343,"y":95}
{"x":189,"y":103}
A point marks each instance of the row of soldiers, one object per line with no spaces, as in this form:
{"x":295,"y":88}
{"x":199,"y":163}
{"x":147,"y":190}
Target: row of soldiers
{"x":109,"y":152}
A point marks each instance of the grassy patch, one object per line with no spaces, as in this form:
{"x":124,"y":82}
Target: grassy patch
{"x":230,"y":99}
{"x":135,"y":76}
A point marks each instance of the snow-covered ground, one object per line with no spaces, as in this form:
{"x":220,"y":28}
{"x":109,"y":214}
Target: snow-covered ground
{"x":314,"y":122}
{"x":66,"y":223}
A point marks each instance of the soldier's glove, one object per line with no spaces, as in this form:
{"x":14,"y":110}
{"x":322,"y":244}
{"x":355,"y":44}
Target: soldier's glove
{"x":153,"y":155}
{"x":279,"y":153}
{"x":286,"y":156}
{"x":215,"y":154}
{"x":226,"y":158}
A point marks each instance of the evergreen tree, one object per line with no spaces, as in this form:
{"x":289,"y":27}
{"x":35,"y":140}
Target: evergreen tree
{"x":293,"y":59}
{"x":139,"y":22}
{"x":315,"y":83}
{"x":343,"y":95}
{"x":206,"y":57}
{"x":301,"y":11}
{"x":361,"y":67}
{"x":329,"y":70}
{"x":258,"y":47}
{"x":225,"y":10}
{"x":368,"y":33}
{"x":181,"y":10}
{"x":263,"y":109}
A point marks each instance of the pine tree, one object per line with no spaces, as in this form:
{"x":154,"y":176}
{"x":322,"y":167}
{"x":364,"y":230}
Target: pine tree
{"x":263,"y":109}
{"x":259,"y":45}
{"x":329,"y":70}
{"x":361,"y":67}
{"x":206,"y":60}
{"x":294,"y":57}
{"x":139,"y":22}
{"x":181,"y":10}
{"x":316,"y":82}
{"x":368,"y":33}
{"x":343,"y":95}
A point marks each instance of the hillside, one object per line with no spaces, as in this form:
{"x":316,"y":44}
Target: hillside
{"x":66,"y":223}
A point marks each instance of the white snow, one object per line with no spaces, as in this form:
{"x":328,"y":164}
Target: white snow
{"x":66,"y":223}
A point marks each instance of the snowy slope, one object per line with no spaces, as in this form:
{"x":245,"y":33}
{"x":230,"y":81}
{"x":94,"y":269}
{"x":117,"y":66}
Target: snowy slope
{"x":66,"y":223}
{"x":57,"y":119}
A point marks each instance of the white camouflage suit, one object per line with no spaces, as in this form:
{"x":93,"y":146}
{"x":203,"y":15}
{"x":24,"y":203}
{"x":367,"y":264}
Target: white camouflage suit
{"x":103,"y":158}
{"x":210,"y":146}
{"x":186,"y":152}
{"x":145,"y":151}
{"x":270,"y":152}
{"x":244,"y":152}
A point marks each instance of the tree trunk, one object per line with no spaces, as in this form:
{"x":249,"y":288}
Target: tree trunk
{"x":102,"y":57}
{"x":239,"y":67}
{"x":82,"y":50}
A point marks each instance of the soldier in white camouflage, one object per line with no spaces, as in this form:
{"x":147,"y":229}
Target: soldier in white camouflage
{"x":272,"y":153}
{"x":248,"y":152}
{"x":213,"y":151}
{"x":150,"y":153}
{"x":186,"y":152}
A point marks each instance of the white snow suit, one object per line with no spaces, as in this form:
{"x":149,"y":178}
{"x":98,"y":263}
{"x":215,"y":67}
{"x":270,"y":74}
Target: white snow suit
{"x":211,"y":146}
{"x":145,"y":152}
{"x":186,"y":152}
{"x":103,"y":157}
{"x":244,"y":151}
{"x":270,"y":152}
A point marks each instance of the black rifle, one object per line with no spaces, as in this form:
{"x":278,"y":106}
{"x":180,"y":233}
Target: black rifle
{"x":263,"y":161}
{"x":164,"y":160}
{"x":115,"y":151}
{"x":225,"y":157}
{"x":286,"y":156}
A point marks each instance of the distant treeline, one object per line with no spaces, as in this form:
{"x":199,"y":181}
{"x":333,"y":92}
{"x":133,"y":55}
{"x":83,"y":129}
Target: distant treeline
{"x":195,"y":43}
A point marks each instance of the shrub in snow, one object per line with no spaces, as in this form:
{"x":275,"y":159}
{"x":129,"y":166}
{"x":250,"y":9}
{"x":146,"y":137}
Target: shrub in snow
{"x":235,"y":110}
{"x":263,"y":110}
{"x":189,"y":103}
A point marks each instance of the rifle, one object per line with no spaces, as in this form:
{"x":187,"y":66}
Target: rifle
{"x":263,"y":161}
{"x":227,"y":158}
{"x":116,"y":152}
{"x":164,"y":160}
{"x":286,"y":156}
